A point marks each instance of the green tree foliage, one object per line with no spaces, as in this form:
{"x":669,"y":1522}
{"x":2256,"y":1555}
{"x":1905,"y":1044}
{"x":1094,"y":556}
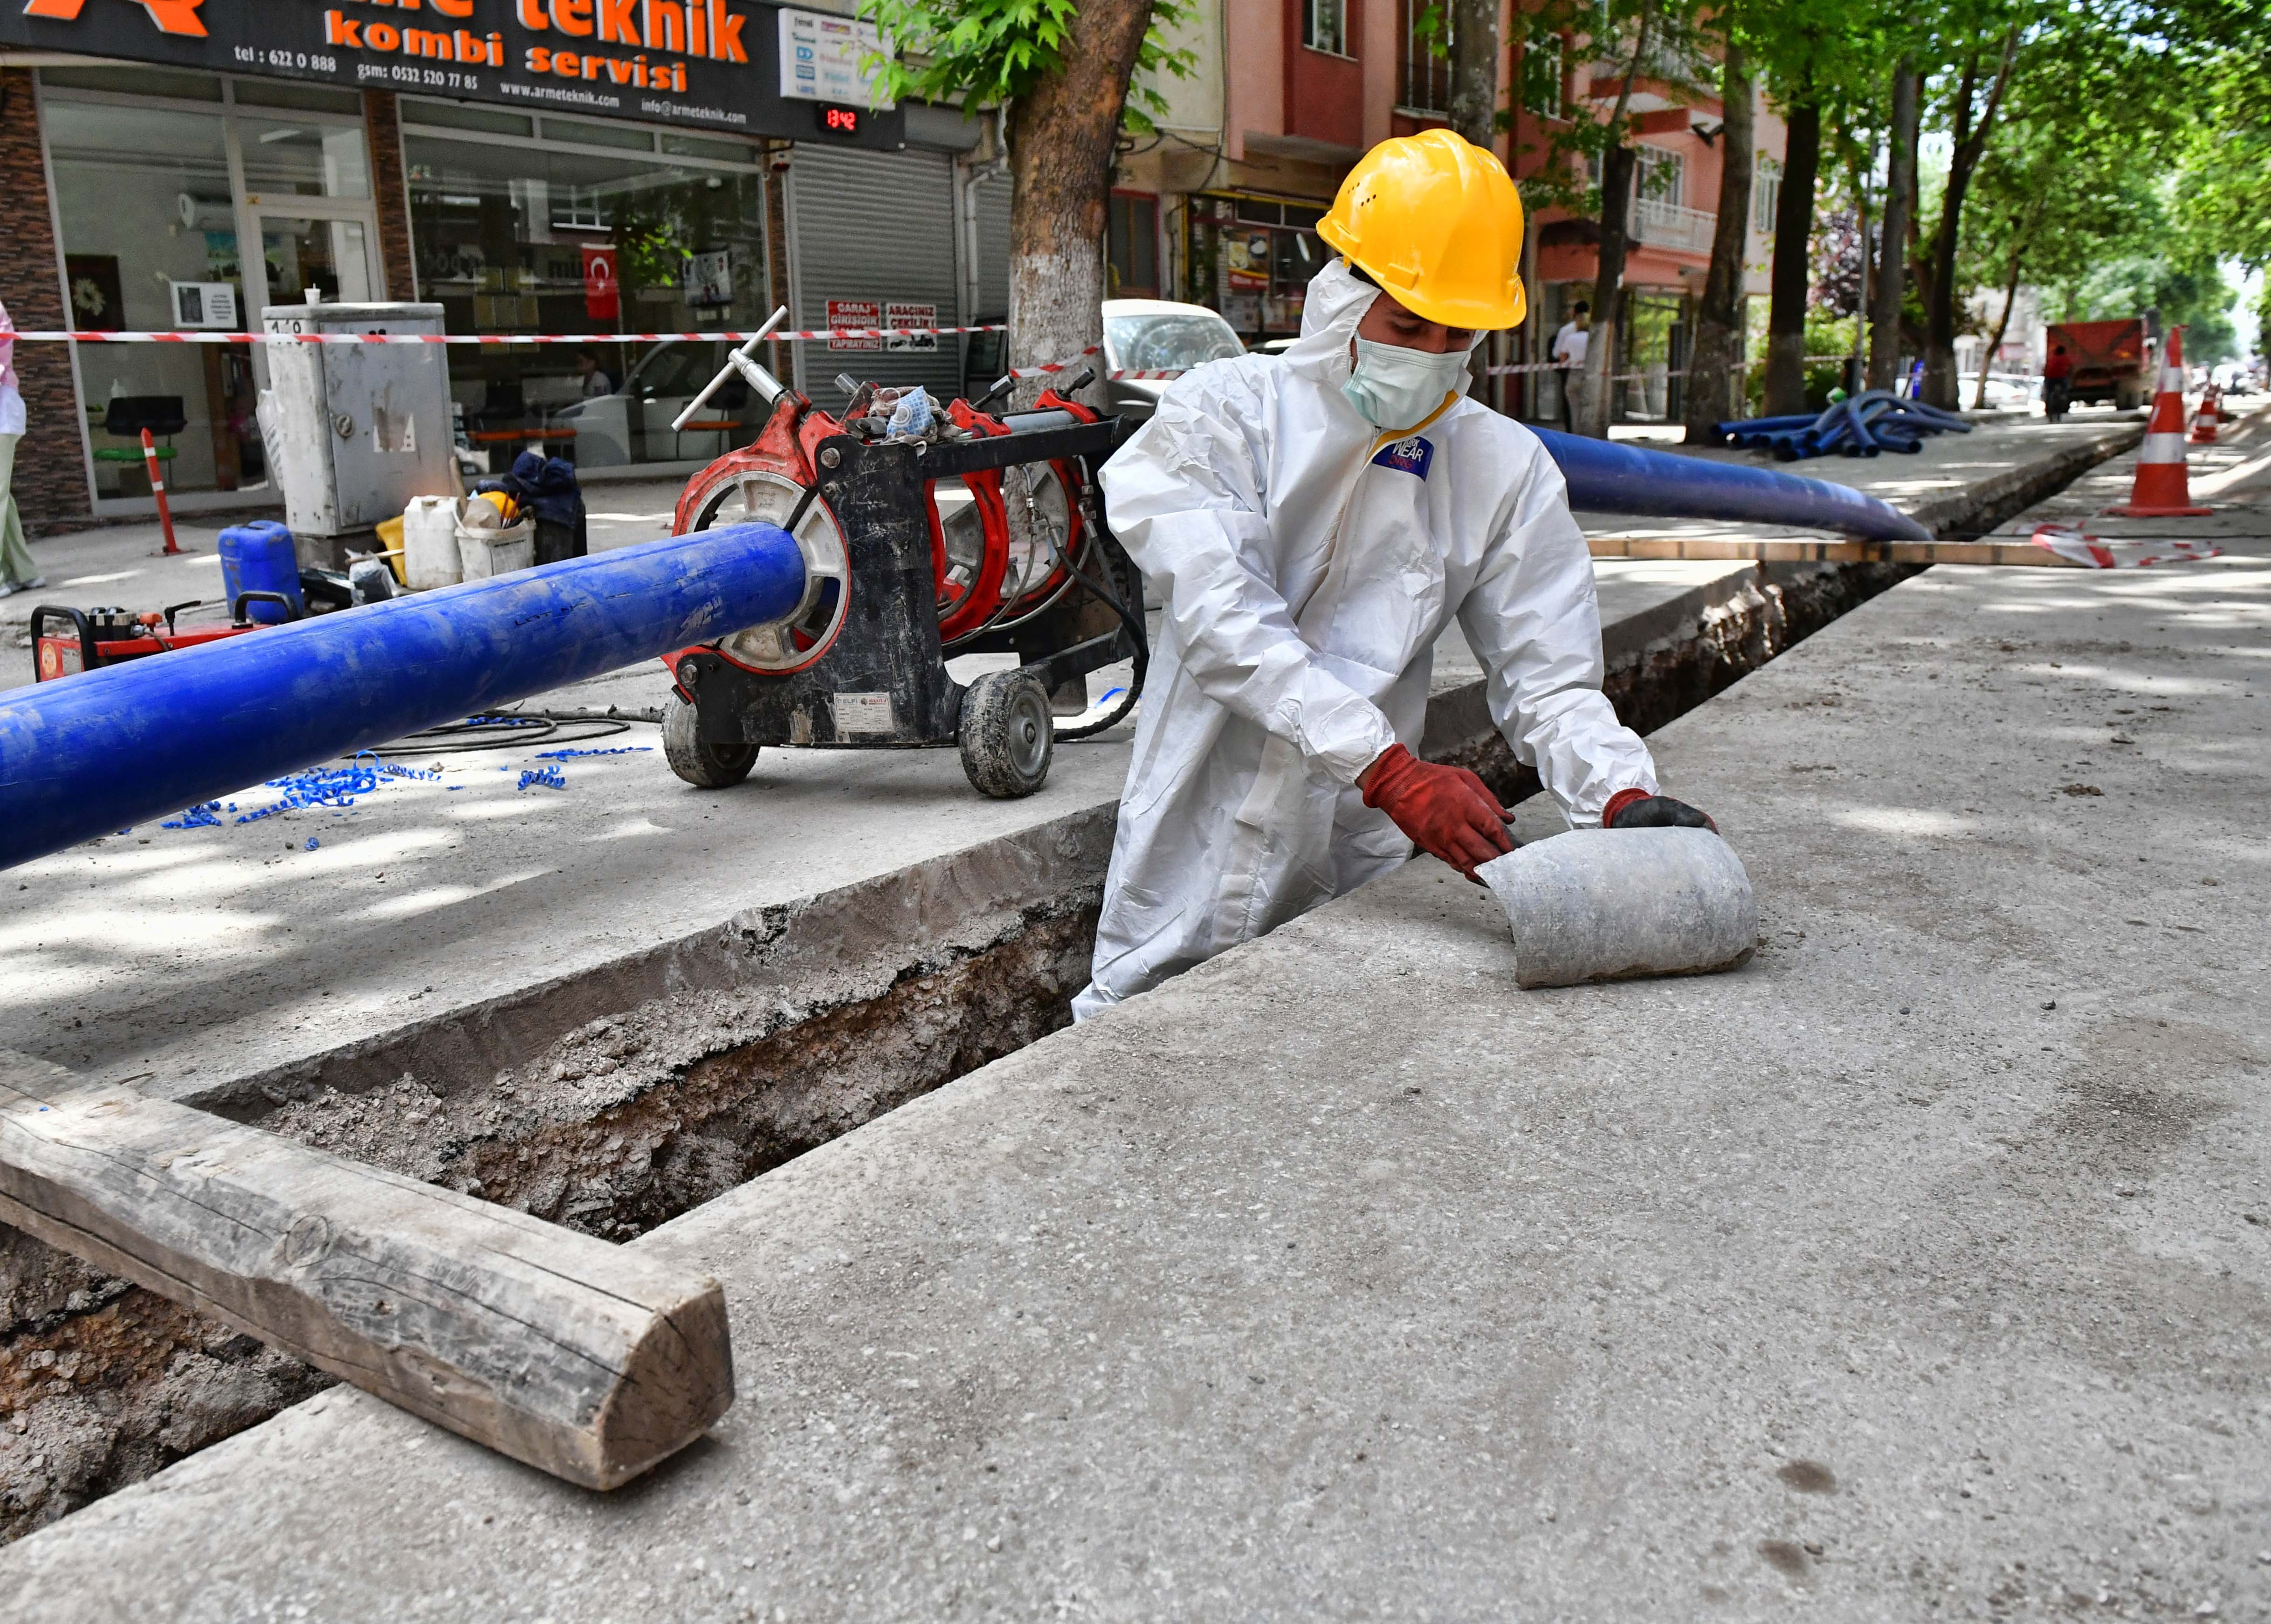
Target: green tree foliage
{"x":983,"y":52}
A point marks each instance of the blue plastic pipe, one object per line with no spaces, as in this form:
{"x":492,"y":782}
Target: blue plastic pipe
{"x":91,"y":754}
{"x":1605,"y":477}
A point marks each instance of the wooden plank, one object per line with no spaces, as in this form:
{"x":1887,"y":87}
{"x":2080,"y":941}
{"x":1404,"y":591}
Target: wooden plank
{"x":2020,"y":554}
{"x":582,"y":1359}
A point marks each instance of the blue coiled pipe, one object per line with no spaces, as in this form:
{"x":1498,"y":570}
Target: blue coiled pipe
{"x":1605,"y":477}
{"x":89,"y":754}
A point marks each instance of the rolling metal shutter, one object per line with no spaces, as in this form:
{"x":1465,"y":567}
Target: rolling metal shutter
{"x":877,"y":226}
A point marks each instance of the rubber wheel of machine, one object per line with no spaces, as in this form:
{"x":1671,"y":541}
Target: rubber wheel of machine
{"x":1008,"y":734}
{"x":706,"y":764}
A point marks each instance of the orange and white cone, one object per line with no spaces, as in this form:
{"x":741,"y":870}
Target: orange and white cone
{"x":2162,"y":487}
{"x":2207,"y":418}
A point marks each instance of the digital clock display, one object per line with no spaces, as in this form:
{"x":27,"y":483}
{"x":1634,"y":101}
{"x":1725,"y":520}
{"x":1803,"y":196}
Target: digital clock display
{"x":840,"y":121}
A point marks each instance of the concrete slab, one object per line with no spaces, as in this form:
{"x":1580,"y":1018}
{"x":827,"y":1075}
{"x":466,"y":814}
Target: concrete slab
{"x":1915,"y":1270}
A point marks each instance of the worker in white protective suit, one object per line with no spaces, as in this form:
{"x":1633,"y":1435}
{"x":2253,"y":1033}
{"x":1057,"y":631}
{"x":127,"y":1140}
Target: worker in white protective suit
{"x":1312,"y":523}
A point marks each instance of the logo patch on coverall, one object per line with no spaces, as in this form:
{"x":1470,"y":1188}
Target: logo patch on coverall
{"x":1411,"y":455}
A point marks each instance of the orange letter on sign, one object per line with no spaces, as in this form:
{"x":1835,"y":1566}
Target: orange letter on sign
{"x":729,"y":37}
{"x":572,"y":16}
{"x":531,"y":13}
{"x":617,"y":25}
{"x":455,"y":8}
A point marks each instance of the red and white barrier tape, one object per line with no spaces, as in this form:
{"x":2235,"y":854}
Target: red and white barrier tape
{"x":2096,"y":552}
{"x":800,"y":337}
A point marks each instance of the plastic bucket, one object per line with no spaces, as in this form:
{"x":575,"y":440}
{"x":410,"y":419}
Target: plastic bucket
{"x":483,"y":553}
{"x":430,"y":544}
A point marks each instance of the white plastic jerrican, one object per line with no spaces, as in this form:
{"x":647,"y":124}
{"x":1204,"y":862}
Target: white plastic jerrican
{"x":484,"y":553}
{"x":430,"y":544}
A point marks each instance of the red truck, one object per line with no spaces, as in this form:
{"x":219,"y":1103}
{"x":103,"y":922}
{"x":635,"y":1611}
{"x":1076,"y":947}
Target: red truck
{"x":2109,"y":361}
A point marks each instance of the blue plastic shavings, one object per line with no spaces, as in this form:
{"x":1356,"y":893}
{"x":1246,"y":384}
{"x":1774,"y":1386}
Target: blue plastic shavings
{"x":337,"y":787}
{"x":546,"y":777}
{"x":199,"y":816}
{"x":313,"y":842}
{"x":625,"y":750}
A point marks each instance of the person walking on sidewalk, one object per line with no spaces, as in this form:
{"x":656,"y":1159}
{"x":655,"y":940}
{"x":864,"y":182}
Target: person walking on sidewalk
{"x":17,"y":572}
{"x":2058,"y":383}
{"x":1312,"y":522}
{"x":1569,"y":347}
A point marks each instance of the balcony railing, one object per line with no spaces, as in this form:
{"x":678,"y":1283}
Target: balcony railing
{"x":1669,"y":224}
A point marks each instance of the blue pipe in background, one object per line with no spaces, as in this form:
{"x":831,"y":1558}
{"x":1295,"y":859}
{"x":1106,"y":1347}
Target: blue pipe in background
{"x":1605,"y":477}
{"x":90,"y":754}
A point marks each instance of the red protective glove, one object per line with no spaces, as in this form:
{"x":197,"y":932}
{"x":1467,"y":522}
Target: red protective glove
{"x":1446,"y":810}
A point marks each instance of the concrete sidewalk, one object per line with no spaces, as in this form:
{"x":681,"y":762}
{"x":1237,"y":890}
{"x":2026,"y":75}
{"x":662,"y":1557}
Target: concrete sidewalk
{"x":1917,"y":1269}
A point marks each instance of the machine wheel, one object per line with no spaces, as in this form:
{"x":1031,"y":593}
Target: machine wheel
{"x":1006,"y":734}
{"x":706,"y":764}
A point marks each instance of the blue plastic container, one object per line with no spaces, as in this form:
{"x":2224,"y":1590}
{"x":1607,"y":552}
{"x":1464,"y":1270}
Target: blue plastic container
{"x":259,"y":557}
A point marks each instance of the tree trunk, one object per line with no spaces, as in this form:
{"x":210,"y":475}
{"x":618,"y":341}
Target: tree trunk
{"x":1970,"y":144}
{"x":1715,"y":360}
{"x":1893,"y":242}
{"x":2002,"y":326}
{"x":1608,"y":284}
{"x":1474,"y":71}
{"x":1792,"y":278}
{"x":1061,"y":137}
{"x":1609,"y":268}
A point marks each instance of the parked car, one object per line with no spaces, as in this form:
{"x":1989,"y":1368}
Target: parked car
{"x":633,"y":423}
{"x":2006,"y":391}
{"x":1159,"y":335}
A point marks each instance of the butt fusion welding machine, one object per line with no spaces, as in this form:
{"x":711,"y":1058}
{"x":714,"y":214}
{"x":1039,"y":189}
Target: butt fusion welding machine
{"x":982,"y":536}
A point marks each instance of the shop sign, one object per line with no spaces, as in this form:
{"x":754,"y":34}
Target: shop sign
{"x":1246,"y":260}
{"x":824,"y":58}
{"x":883,"y":313}
{"x":714,"y":64}
{"x":602,"y":294}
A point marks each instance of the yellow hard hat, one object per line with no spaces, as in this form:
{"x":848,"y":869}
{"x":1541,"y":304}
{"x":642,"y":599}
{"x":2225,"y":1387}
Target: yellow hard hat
{"x":1435,"y":221}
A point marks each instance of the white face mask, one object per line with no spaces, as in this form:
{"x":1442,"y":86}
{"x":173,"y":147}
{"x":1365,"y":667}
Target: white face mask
{"x":1397,"y":388}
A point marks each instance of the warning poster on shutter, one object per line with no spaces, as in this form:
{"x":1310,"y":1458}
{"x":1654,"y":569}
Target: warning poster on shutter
{"x":873,"y":313}
{"x":712,"y":65}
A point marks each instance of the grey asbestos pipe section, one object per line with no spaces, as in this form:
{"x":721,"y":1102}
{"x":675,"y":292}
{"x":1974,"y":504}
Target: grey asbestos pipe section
{"x":1607,"y":905}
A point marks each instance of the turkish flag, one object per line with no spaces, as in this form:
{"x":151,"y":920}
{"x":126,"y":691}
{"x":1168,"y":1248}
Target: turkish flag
{"x":600,"y":291}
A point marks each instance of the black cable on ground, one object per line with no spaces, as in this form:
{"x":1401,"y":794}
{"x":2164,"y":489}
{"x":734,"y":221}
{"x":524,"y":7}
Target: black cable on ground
{"x":512,"y":730}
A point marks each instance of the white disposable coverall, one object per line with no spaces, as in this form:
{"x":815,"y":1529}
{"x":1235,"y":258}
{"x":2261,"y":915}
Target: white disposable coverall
{"x":1309,"y":562}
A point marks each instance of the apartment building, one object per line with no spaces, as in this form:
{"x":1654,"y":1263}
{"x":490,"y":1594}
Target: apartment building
{"x":1219,"y":206}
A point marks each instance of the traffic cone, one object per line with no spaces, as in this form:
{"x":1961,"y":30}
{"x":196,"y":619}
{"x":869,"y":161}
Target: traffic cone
{"x":2162,"y":488}
{"x":2205,"y":420}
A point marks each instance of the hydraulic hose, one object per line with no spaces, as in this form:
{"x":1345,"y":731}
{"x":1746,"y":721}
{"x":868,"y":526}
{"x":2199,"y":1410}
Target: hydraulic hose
{"x":98,"y":751}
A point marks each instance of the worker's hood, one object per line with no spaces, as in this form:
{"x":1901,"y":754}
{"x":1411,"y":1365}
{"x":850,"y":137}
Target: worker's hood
{"x":1337,"y":302}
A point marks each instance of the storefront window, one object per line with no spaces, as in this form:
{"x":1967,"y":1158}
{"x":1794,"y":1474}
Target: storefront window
{"x":303,"y":159}
{"x":534,"y":236}
{"x":146,"y":210}
{"x":1252,"y":259}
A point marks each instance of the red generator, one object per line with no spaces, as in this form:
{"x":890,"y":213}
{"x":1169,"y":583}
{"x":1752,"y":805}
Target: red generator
{"x":110,"y":637}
